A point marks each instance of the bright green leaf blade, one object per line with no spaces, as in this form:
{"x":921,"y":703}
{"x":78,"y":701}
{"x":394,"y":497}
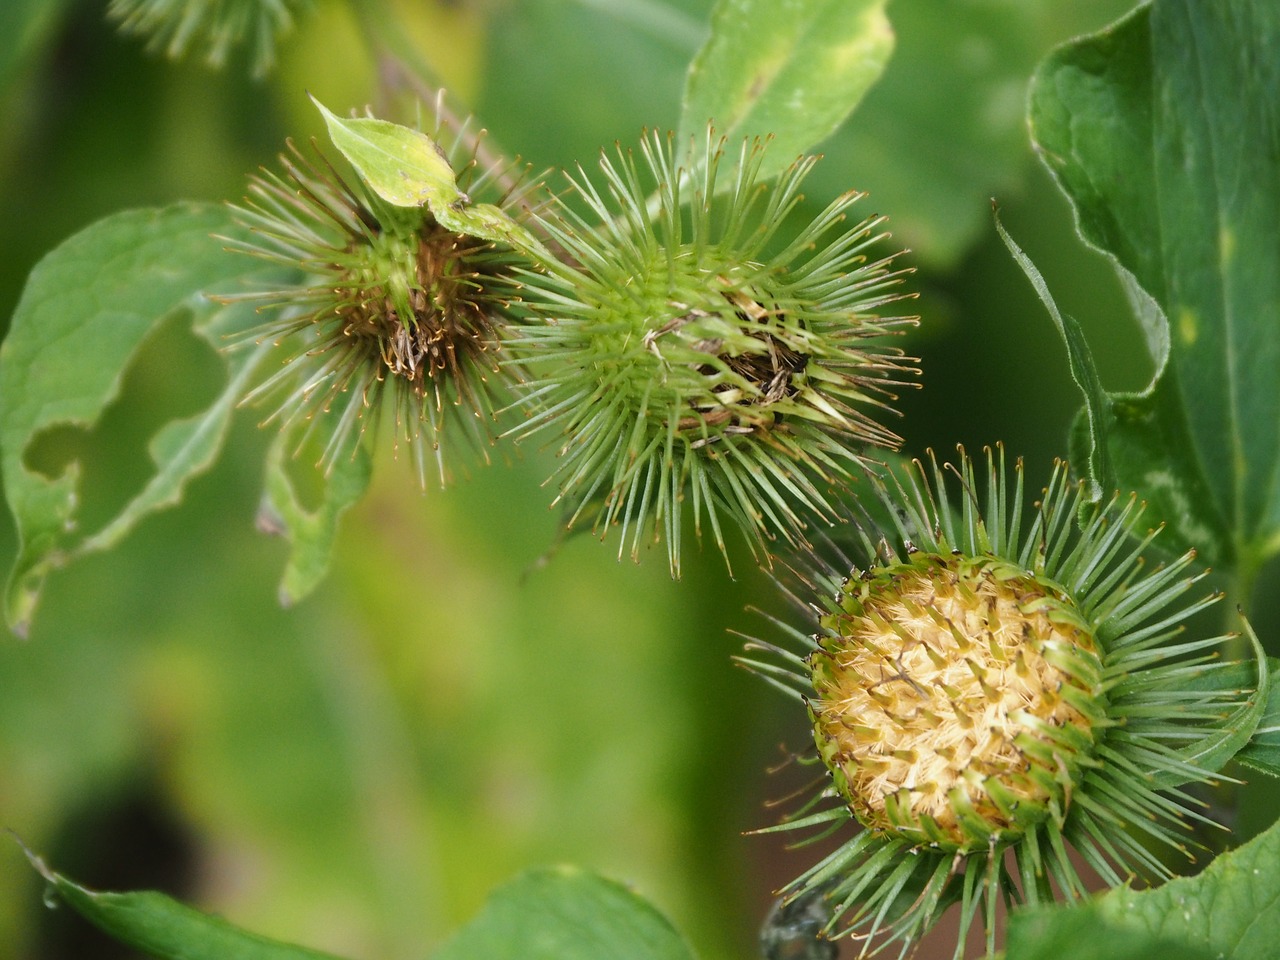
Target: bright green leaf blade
{"x":566,"y":914}
{"x":488,"y":222}
{"x":1150,"y":451}
{"x":401,"y":165}
{"x":407,"y":168}
{"x":792,"y":70}
{"x":1083,"y":372}
{"x":1164,"y":131}
{"x":165,"y":928}
{"x":310,"y":532}
{"x":86,"y":309}
{"x":1231,"y":909}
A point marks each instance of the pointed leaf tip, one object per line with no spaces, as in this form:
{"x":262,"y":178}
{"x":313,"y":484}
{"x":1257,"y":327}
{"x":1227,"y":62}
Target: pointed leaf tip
{"x":407,"y":168}
{"x":162,"y":927}
{"x":403,"y":166}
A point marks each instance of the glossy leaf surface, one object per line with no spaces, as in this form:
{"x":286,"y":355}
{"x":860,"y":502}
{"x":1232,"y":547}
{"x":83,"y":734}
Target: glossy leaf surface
{"x":1164,"y":130}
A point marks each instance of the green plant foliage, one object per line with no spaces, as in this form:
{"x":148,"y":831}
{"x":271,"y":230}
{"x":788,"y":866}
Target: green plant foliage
{"x":1213,"y":751}
{"x":1262,"y":752}
{"x":1232,"y":909}
{"x":359,"y":771}
{"x":165,"y":928}
{"x":311,"y":532}
{"x":86,"y":309}
{"x":566,"y":914}
{"x":559,"y":913}
{"x":402,"y":166}
{"x":1099,"y":475}
{"x":1252,"y":736}
{"x":792,"y":71}
{"x":407,"y":168}
{"x":1163,"y":132}
{"x":1045,"y":934}
{"x":944,"y":129}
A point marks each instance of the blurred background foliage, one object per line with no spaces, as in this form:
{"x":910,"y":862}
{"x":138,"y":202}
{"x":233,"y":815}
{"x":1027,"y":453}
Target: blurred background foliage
{"x":357,"y":773}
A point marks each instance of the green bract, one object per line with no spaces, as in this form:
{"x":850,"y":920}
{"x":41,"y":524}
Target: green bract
{"x":984,"y":683}
{"x":694,"y":346}
{"x":390,"y":299}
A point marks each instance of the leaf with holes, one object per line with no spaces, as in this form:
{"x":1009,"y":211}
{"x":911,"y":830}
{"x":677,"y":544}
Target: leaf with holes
{"x":87,"y":308}
{"x":310,"y":529}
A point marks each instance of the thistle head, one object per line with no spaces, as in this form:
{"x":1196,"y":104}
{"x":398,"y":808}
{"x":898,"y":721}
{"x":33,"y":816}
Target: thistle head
{"x":175,"y":27}
{"x":988,"y":689}
{"x":955,"y":699}
{"x":386,"y":307}
{"x":698,"y":346}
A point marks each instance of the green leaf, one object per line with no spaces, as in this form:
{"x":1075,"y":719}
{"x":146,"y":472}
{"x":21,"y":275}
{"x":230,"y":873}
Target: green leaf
{"x":1079,"y":933}
{"x":86,"y":309}
{"x":407,"y":168}
{"x":1262,"y":753}
{"x":1083,"y":372}
{"x":184,"y":448}
{"x":792,"y":70}
{"x":163,"y":927}
{"x":1231,"y":909}
{"x":1163,"y":131}
{"x":565,"y":913}
{"x":401,"y":165}
{"x":1212,"y":751}
{"x":944,"y":129}
{"x":310,"y":532}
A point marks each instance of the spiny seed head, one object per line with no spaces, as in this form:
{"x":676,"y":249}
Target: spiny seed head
{"x":693,"y":346}
{"x":381,"y":299}
{"x":954,"y":699}
{"x":991,"y":681}
{"x":177,"y":26}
